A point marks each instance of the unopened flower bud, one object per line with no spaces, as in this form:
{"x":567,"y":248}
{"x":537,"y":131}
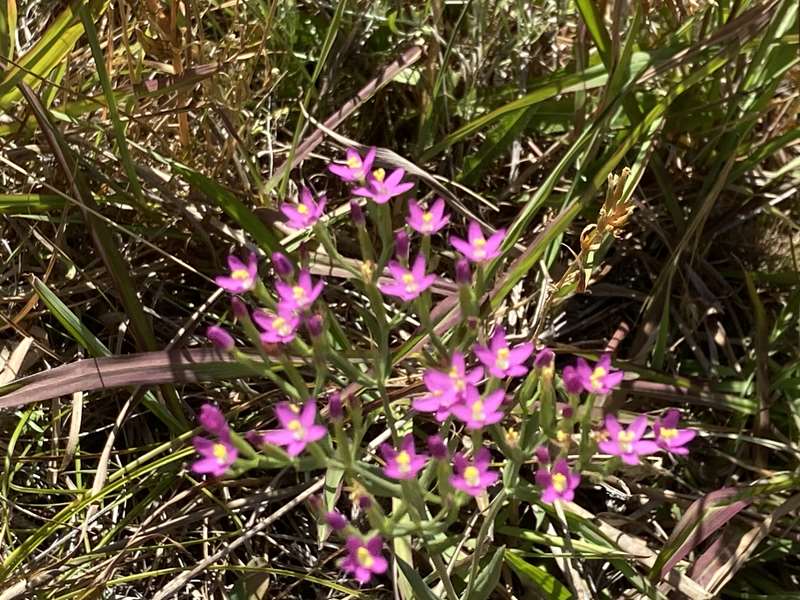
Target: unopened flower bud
{"x":364,"y":502}
{"x":238,"y":308}
{"x":220,"y":338}
{"x":437,"y":447}
{"x":314,"y":324}
{"x":356,"y":213}
{"x":401,"y":246}
{"x":463,"y":275}
{"x":543,"y":455}
{"x":567,"y":412}
{"x":335,"y":520}
{"x":544,"y":358}
{"x":282,"y":265}
{"x":335,"y":408}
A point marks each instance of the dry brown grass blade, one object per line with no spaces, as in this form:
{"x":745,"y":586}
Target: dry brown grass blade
{"x":719,"y":564}
{"x":147,"y":368}
{"x":408,"y":58}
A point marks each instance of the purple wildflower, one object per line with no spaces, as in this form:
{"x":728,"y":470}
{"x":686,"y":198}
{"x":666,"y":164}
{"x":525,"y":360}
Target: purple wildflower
{"x":355,"y":167}
{"x":669,"y":437}
{"x":276,"y":329}
{"x":477,"y":248}
{"x":220,"y":337}
{"x":405,"y":463}
{"x":559,"y":483}
{"x":446,"y":388}
{"x":601,"y":379}
{"x":408,"y":284}
{"x":282,"y":265}
{"x":542,"y":455}
{"x":627,"y":443}
{"x":364,"y":558}
{"x":212,"y":420}
{"x":300,"y":296}
{"x":382,"y":188}
{"x":473,"y":478}
{"x":216,"y":457}
{"x":427,"y":222}
{"x":297,"y":427}
{"x":242,"y":277}
{"x":502,"y":361}
{"x":306,"y":212}
{"x":477,"y":412}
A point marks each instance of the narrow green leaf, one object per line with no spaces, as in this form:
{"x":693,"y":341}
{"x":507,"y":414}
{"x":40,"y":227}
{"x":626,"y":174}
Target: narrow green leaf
{"x":8,"y":28}
{"x":421,"y":591}
{"x":487,"y":578}
{"x":551,"y":587}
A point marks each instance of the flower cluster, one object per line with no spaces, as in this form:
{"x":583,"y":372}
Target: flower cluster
{"x":472,"y":409}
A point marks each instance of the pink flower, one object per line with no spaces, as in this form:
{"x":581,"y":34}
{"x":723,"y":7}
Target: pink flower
{"x":559,"y":483}
{"x":276,"y":329}
{"x":403,"y":464}
{"x":408,"y":284}
{"x":601,"y":379}
{"x":437,"y":447}
{"x":355,"y":168}
{"x":669,"y":437}
{"x":297,"y":427}
{"x":427,"y":222}
{"x":336,"y":520}
{"x":364,"y":558}
{"x":473,"y":478}
{"x":477,"y":412}
{"x":478,"y":249}
{"x":213,"y":421}
{"x":242,"y":277}
{"x":220,"y":338}
{"x":446,"y":388}
{"x":300,"y":296}
{"x":216,"y":457}
{"x":502,"y":361}
{"x":382,"y":188}
{"x":306,"y":212}
{"x":627,"y":443}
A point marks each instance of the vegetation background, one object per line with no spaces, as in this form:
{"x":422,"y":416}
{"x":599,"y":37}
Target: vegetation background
{"x":141,"y":141}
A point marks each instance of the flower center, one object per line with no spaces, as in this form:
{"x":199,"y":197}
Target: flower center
{"x":668,"y":434}
{"x":472,"y":476}
{"x":354,"y":162}
{"x":596,"y":379}
{"x":296,"y":427}
{"x":559,"y":481}
{"x":501,"y":362}
{"x":478,"y":248}
{"x":477,"y":411}
{"x":625,"y":441}
{"x":427,"y":217}
{"x":458,"y":381}
{"x":220,"y":452}
{"x":379,"y":174}
{"x":240,"y":274}
{"x":403,"y":461}
{"x":364,"y":558}
{"x":562,"y":436}
{"x":302,"y":209}
{"x":298,"y":292}
{"x":411,"y":285}
{"x":281,"y":325}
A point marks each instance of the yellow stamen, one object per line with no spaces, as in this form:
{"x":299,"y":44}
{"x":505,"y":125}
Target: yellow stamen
{"x":240,"y":274}
{"x":220,"y":452}
{"x":667,"y":434}
{"x":403,"y":461}
{"x":472,"y":476}
{"x":379,"y":174}
{"x":562,"y":436}
{"x":296,"y":427}
{"x":302,"y":209}
{"x":298,"y":292}
{"x":281,"y":325}
{"x":501,"y":362}
{"x":559,"y":482}
{"x":596,"y":377}
{"x":427,"y":217}
{"x":458,"y":382}
{"x":364,"y":558}
{"x":411,"y":284}
{"x":625,"y":441}
{"x":477,"y":411}
{"x":354,"y":162}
